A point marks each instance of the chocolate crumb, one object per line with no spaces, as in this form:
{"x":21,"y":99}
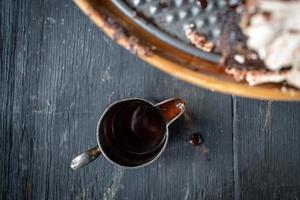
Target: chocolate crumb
{"x":267,"y":15}
{"x":202,"y":3}
{"x":130,"y":42}
{"x":135,"y":48}
{"x":119,"y":32}
{"x":199,"y":39}
{"x":162,"y":4}
{"x":195,"y":139}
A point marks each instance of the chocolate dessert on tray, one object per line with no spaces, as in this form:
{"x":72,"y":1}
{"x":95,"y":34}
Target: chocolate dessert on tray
{"x":248,"y":48}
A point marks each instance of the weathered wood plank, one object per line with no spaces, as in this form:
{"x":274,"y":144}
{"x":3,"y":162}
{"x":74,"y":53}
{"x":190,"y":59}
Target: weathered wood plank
{"x":266,"y":149}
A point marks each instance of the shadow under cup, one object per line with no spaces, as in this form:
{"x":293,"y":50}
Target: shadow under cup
{"x":122,"y":146}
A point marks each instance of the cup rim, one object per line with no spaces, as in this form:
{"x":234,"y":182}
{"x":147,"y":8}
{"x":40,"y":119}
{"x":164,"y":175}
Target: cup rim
{"x":115,"y":163}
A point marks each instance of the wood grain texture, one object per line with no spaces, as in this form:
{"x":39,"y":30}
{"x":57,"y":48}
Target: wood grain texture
{"x":266,"y":149}
{"x":58,"y":74}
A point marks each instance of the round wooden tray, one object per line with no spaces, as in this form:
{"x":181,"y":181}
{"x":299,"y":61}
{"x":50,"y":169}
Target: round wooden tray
{"x":171,"y":60}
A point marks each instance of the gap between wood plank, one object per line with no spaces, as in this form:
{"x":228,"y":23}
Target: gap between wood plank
{"x":236,"y":185}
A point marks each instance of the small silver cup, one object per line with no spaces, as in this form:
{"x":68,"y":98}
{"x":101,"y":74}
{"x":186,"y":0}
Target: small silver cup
{"x":169,"y":109}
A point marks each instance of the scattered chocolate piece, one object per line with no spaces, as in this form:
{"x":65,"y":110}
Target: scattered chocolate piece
{"x":195,"y":139}
{"x":138,"y":15}
{"x":122,"y":37}
{"x":202,"y":3}
{"x":238,"y":74}
{"x":199,"y":40}
{"x":256,"y":77}
{"x":162,"y":4}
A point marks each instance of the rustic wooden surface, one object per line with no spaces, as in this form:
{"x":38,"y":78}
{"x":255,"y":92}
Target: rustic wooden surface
{"x":59,"y":72}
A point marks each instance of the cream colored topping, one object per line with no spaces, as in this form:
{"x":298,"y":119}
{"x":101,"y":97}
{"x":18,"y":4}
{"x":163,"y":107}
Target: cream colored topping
{"x":274,"y":33}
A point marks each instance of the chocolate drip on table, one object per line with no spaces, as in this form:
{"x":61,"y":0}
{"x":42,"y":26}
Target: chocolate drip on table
{"x":195,"y":139}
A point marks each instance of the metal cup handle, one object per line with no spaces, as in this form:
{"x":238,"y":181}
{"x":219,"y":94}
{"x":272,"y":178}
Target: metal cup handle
{"x":171,"y":109}
{"x":85,"y":158}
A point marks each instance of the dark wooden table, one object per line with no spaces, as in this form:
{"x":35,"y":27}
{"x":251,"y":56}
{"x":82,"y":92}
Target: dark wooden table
{"x":58,"y":74}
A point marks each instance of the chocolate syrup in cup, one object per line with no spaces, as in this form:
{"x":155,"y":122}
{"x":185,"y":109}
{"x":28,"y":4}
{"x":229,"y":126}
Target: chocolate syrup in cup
{"x":138,"y":128}
{"x":132,"y":132}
